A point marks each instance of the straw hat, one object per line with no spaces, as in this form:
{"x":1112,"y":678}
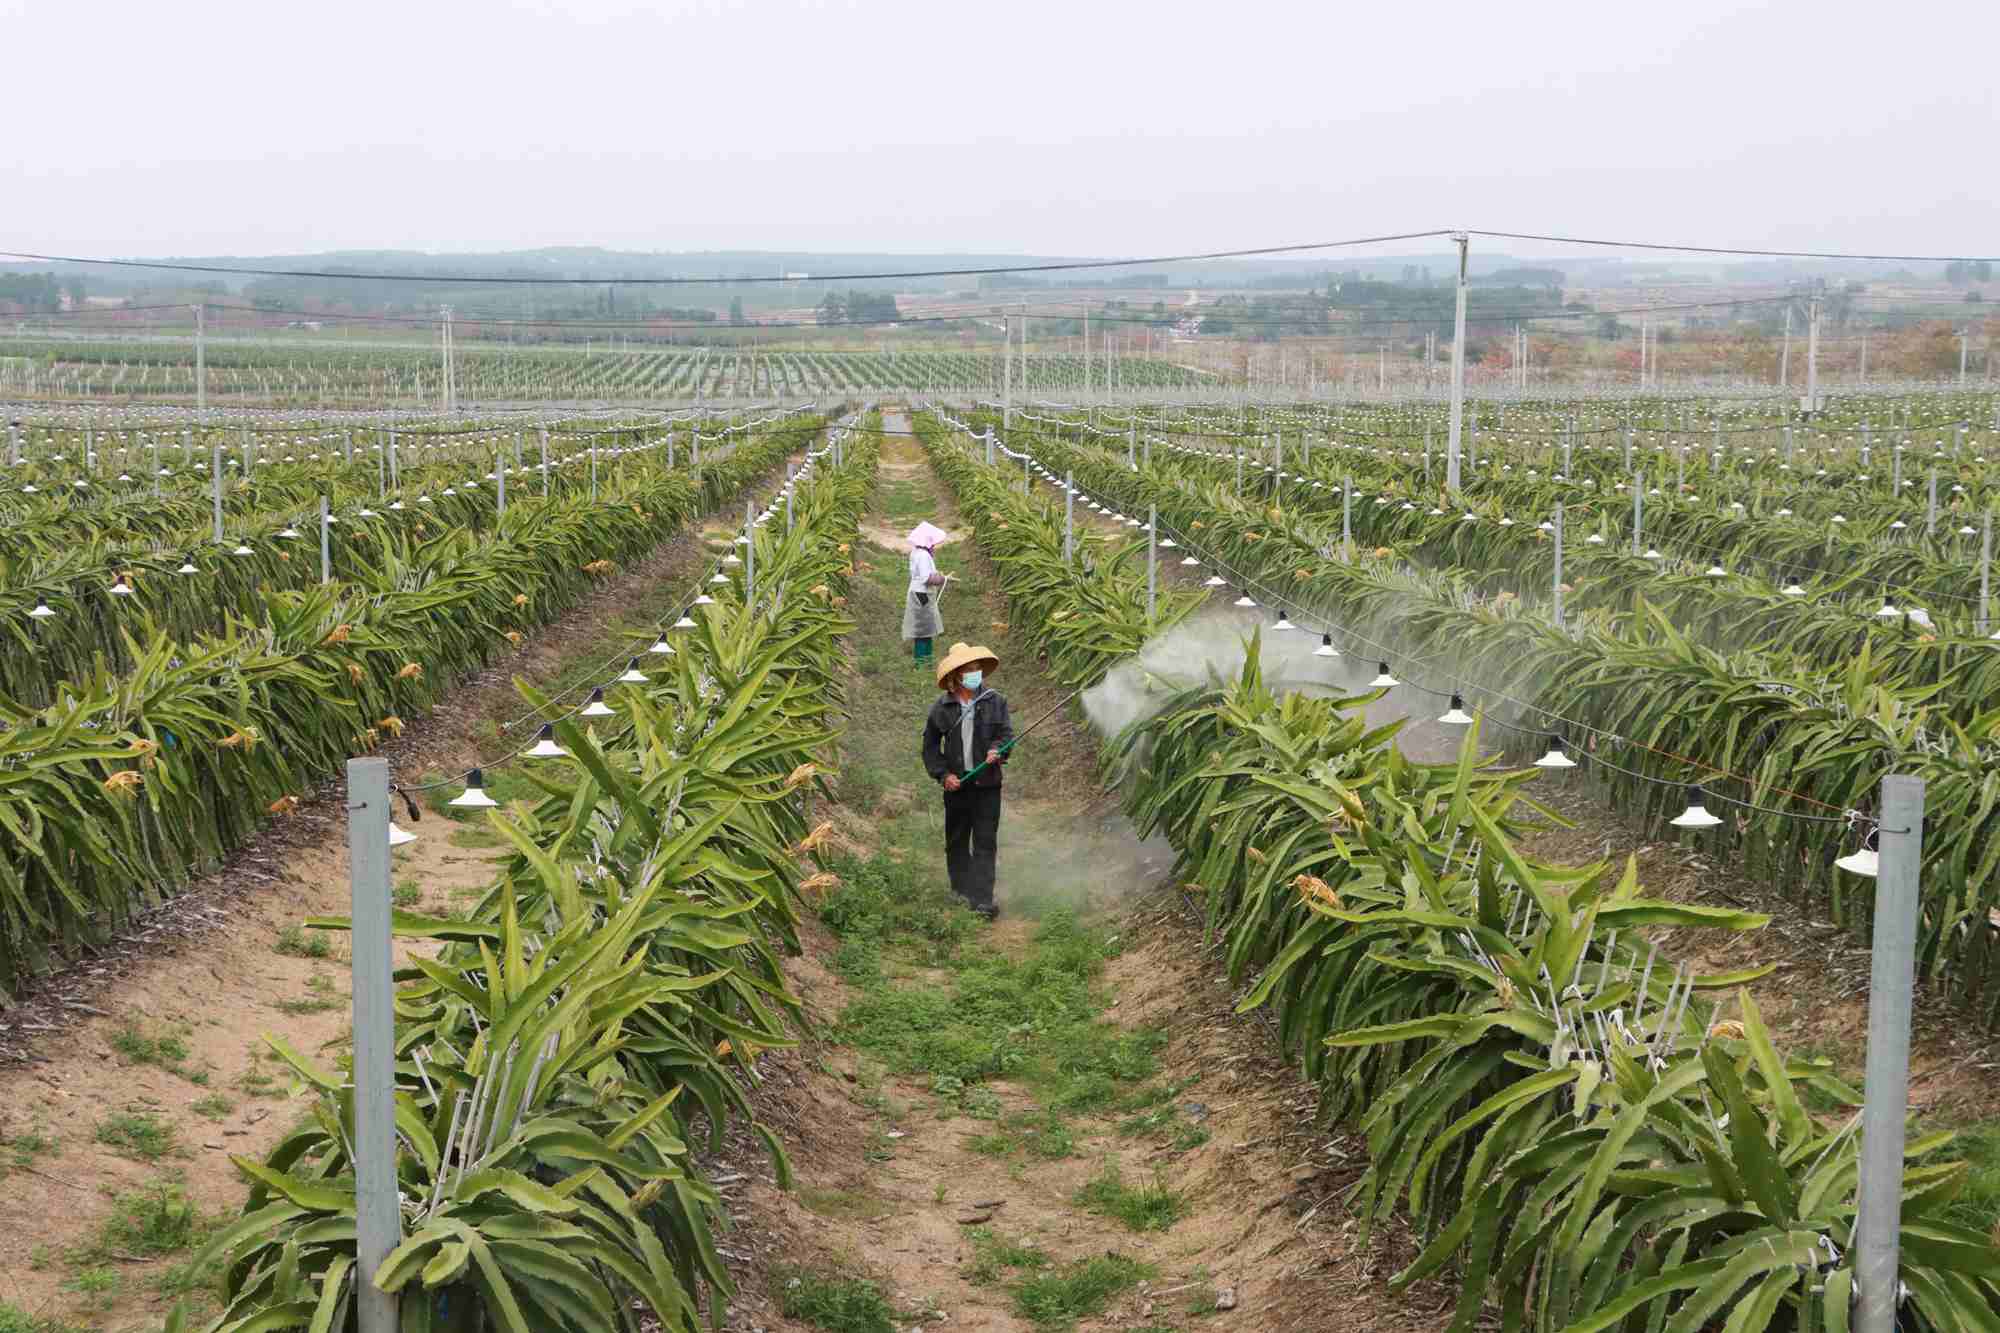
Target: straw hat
{"x":965,"y":655}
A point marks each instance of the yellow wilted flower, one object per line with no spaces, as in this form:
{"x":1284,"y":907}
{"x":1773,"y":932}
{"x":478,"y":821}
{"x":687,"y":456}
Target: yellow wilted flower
{"x":819,"y":883}
{"x":1503,"y":597}
{"x":338,"y":634}
{"x":821,"y":590}
{"x":391,"y":724}
{"x":722,"y":1049}
{"x":647,"y":1194}
{"x":800,"y":775}
{"x":1254,"y":854}
{"x":1316,"y":889}
{"x":1384,"y":552}
{"x":520,"y":599}
{"x":125,"y":783}
{"x":354,"y":673}
{"x":140,"y":747}
{"x":1565,"y":587}
{"x":842,"y":548}
{"x":245,"y":739}
{"x":1253,"y":536}
{"x":283,"y":556}
{"x":1193,"y":887}
{"x":599,"y":567}
{"x":1728,"y":1028}
{"x":1198,"y":524}
{"x":1302,"y":573}
{"x":840,"y":601}
{"x":515,"y":637}
{"x":411,"y":671}
{"x":1000,"y":627}
{"x":284,"y":805}
{"x":1054,"y":616}
{"x":813,"y":840}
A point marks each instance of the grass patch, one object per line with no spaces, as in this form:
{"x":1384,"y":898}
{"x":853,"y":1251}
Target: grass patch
{"x":1153,"y":1207}
{"x":838,"y":1304}
{"x":475,"y":837}
{"x":1057,"y":1300}
{"x":213,"y":1107}
{"x":139,"y":1047}
{"x":13,"y":1319}
{"x":993,"y":1257}
{"x":849,"y":1205}
{"x":407,"y":893}
{"x":294,"y":942}
{"x":140,"y":1135}
{"x":157,"y":1220}
{"x":1032,"y":1019}
{"x":23,"y":1150}
{"x":1978,"y":1201}
{"x":883,"y":901}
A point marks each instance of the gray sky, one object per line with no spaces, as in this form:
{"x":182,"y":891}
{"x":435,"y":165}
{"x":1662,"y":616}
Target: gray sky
{"x":1022,"y":126}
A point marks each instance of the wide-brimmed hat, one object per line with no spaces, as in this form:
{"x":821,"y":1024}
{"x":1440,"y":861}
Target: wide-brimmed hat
{"x":965,"y":655}
{"x":927,"y":535}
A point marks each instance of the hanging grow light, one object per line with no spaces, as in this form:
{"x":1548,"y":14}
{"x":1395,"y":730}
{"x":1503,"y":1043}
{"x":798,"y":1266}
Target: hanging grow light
{"x":632,"y":674}
{"x":661,"y":647}
{"x":1793,"y":589}
{"x":187,"y":567}
{"x":1888,"y":611}
{"x":398,"y":835}
{"x":1189,"y":560}
{"x":686,"y":621}
{"x":474,"y":796}
{"x":288,"y":532}
{"x":596,"y":707}
{"x":1696,"y":815}
{"x":1555,"y":758}
{"x":1456,"y":715}
{"x":545,"y":746}
{"x":1716,"y":572}
{"x":121,"y":587}
{"x":1284,"y":622}
{"x":242,"y":549}
{"x":1865,"y":860}
{"x":1244,"y":599}
{"x":41,"y":611}
{"x":1383,"y":680}
{"x":703,"y":599}
{"x":1213,"y":581}
{"x":718,"y":577}
{"x":1326,"y":648}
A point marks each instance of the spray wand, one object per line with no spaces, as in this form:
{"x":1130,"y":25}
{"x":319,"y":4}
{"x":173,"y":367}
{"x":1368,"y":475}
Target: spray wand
{"x":1019,"y":736}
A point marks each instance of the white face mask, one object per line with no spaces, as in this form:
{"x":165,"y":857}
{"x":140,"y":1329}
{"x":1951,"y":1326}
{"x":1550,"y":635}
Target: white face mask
{"x":972,"y":680}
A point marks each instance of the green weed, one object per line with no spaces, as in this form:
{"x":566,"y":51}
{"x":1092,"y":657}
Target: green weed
{"x":1153,"y":1207}
{"x":23,"y":1150}
{"x":295,"y":942}
{"x":142,"y":1048}
{"x":213,"y":1107}
{"x":407,"y":893}
{"x":140,"y":1135}
{"x":1978,"y":1201}
{"x":1057,"y":1300}
{"x":992,"y":1256}
{"x":13,"y":1319}
{"x":838,"y":1304}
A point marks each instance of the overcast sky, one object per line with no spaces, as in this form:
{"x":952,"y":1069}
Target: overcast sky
{"x":1023,"y":126}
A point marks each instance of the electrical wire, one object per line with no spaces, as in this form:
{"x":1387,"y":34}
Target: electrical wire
{"x":448,"y":280}
{"x":1734,"y":250}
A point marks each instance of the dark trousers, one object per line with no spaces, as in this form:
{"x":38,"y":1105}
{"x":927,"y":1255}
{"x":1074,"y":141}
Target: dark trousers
{"x":972,"y":842}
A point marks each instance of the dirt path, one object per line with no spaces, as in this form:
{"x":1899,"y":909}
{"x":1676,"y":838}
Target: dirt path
{"x":131,"y":1079}
{"x":985,"y":1200}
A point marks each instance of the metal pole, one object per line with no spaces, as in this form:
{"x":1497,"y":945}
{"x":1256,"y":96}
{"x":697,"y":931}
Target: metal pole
{"x":593,"y":468}
{"x":215,"y":489}
{"x":791,"y":476}
{"x":1812,"y":355}
{"x":500,"y":495}
{"x":749,"y":552}
{"x":545,"y":460}
{"x":1007,"y":385}
{"x":1069,"y":517}
{"x":1132,"y":449}
{"x":1985,"y":569}
{"x":325,"y":543}
{"x":989,"y":446}
{"x":1558,"y":586}
{"x":1785,"y":358}
{"x":377,"y":1218}
{"x":1900,"y":844}
{"x":1347,"y":520}
{"x":200,"y":364}
{"x":1930,"y":509}
{"x":1638,"y":510}
{"x":1457,"y":371}
{"x":1152,"y":559}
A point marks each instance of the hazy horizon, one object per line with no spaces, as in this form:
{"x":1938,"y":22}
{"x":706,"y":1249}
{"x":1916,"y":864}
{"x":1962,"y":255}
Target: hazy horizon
{"x":1062,"y":130}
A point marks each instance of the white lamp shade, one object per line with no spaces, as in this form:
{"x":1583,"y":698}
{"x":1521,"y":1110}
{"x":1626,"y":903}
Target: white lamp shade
{"x":474,"y":796}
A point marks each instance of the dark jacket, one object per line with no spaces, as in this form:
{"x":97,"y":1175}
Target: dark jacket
{"x":992,"y":728}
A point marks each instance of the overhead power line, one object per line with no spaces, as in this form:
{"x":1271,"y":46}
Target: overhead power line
{"x":436,"y":279}
{"x":1734,"y":250}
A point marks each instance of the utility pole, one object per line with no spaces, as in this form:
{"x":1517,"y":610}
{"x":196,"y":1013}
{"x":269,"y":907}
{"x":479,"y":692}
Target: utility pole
{"x":1007,"y":384}
{"x":1086,"y":354}
{"x":1812,"y":353}
{"x":1785,"y":357}
{"x":1964,"y":341}
{"x":201,"y":365}
{"x":1457,"y":370}
{"x":1864,"y":356}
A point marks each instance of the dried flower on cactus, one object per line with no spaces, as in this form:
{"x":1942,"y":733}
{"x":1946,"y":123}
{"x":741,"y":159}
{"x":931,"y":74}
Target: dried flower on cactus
{"x":391,"y":724}
{"x":284,"y":805}
{"x":124,"y":783}
{"x":338,"y":634}
{"x":245,"y":739}
{"x":411,"y":671}
{"x":815,"y":839}
{"x":1315,"y":889}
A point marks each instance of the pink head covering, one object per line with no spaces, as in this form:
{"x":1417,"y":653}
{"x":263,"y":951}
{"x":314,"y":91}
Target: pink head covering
{"x":927,"y":535}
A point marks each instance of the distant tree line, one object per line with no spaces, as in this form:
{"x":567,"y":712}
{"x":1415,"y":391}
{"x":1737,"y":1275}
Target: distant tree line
{"x":852,"y":307}
{"x":39,"y":293}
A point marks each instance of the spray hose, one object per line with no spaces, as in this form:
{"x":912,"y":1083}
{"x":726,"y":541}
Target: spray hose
{"x":1019,"y":736}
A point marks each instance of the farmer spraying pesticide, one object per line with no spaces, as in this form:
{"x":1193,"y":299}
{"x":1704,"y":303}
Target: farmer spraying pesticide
{"x":966,"y":736}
